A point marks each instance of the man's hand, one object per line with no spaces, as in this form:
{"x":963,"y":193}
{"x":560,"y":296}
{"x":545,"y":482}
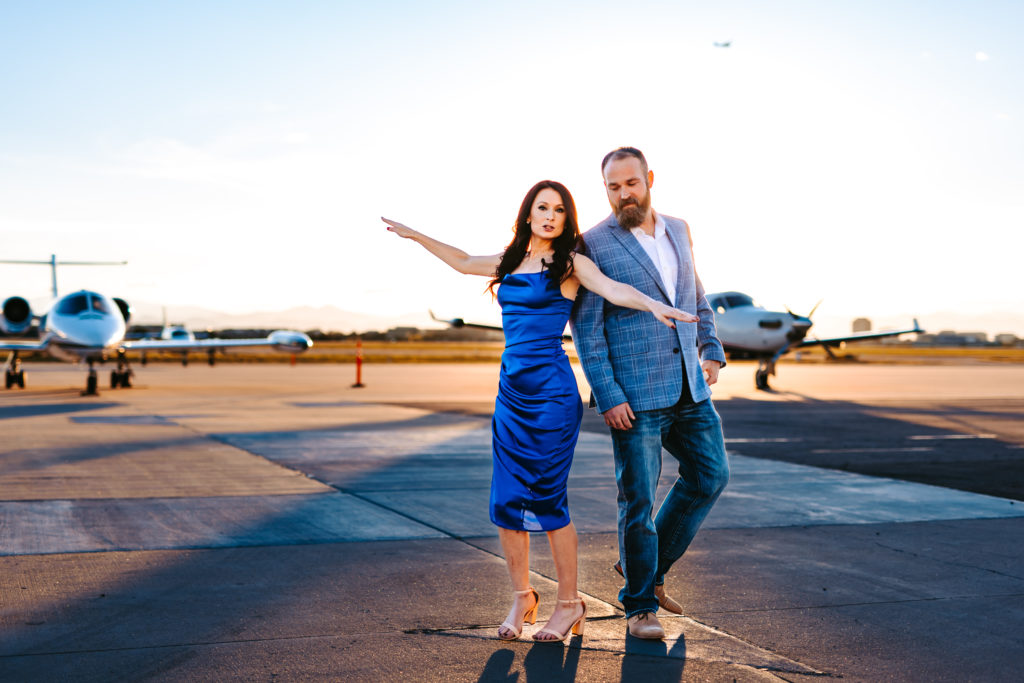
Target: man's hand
{"x":619,"y":417}
{"x":711,"y":368}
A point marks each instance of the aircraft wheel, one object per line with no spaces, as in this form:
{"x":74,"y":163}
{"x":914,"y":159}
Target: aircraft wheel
{"x":126,"y":379}
{"x":115,"y":379}
{"x":761,"y":380}
{"x":21,"y":378}
{"x":90,"y":385}
{"x":8,"y":379}
{"x":184,"y":361}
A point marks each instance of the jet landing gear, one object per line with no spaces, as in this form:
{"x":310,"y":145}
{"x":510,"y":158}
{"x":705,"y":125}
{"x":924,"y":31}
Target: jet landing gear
{"x":91,"y":382}
{"x":122,"y":376}
{"x":13,"y":374}
{"x":761,"y":380}
{"x":765,"y":367}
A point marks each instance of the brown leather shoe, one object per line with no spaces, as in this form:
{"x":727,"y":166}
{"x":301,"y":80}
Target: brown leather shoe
{"x":664,"y":601}
{"x":645,"y":625}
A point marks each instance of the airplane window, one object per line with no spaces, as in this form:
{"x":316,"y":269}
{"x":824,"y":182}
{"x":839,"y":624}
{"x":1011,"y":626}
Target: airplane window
{"x":737,"y":300}
{"x":770,"y":324}
{"x":73,"y":305}
{"x":99,"y":305}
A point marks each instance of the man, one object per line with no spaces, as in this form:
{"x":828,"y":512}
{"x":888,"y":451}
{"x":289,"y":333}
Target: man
{"x":650,"y":383}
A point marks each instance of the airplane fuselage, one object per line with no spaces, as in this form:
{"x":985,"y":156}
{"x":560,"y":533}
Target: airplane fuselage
{"x":83,"y":326}
{"x":746,"y":328}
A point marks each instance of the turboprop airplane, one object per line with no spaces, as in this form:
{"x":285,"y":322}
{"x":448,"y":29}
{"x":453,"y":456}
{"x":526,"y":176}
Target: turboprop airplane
{"x":747,"y":330}
{"x":87,"y":326}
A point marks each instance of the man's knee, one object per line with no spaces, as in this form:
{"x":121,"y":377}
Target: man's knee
{"x":719,"y":478}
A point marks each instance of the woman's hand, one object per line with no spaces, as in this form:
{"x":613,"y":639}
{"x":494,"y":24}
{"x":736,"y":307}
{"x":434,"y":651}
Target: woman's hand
{"x":399,"y":229}
{"x":667,"y":314}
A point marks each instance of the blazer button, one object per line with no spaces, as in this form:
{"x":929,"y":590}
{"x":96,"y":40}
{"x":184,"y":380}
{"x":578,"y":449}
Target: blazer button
{"x":675,"y":350}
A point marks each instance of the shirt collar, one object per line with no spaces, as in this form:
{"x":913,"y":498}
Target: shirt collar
{"x":659,"y":228}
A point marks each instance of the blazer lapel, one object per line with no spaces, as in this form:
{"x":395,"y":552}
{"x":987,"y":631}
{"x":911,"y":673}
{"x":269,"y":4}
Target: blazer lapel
{"x":681,"y":243}
{"x":633,"y":248}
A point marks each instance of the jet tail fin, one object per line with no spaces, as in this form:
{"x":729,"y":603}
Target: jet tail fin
{"x":53,"y":263}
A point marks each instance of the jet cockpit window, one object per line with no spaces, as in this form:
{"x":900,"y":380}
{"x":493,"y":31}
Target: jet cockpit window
{"x":73,"y":305}
{"x":99,"y":305}
{"x":738,"y":300}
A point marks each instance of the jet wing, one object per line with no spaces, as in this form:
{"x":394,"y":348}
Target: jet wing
{"x":834,"y":341}
{"x":459,"y":323}
{"x":281,"y":340}
{"x":25,"y":346}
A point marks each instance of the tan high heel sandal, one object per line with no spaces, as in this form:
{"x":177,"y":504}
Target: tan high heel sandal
{"x":576,"y":628}
{"x":529,"y":617}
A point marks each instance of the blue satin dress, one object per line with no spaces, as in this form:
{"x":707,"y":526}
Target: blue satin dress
{"x":538,"y":410}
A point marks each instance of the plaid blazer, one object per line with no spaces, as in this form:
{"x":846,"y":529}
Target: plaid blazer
{"x":627,"y":355}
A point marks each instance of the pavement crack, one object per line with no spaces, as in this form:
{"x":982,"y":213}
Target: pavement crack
{"x":951,"y":563}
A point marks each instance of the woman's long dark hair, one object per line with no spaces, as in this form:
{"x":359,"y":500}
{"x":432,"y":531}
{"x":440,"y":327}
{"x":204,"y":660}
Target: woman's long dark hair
{"x":564,"y":246}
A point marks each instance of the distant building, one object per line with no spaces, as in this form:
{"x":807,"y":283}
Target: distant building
{"x":952,"y":338}
{"x":403,"y":334}
{"x":1006,"y":339}
{"x":861,"y":325}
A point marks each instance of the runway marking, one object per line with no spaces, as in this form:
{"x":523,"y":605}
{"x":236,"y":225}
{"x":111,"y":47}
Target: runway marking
{"x":909,"y":449}
{"x":936,"y":437}
{"x":121,"y":419}
{"x":777,"y":440}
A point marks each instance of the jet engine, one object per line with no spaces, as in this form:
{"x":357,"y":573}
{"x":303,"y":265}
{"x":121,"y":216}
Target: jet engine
{"x":290,"y":341}
{"x":17,"y":315}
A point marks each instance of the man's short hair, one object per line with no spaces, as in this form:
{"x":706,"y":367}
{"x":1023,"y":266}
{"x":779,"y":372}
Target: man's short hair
{"x":623,"y":153}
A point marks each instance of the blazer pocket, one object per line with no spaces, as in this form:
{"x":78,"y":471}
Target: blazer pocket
{"x":631,"y":347}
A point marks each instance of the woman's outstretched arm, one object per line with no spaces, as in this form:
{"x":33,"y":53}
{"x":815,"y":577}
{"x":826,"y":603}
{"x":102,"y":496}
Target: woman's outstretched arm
{"x":456,"y":258}
{"x":621,"y":294}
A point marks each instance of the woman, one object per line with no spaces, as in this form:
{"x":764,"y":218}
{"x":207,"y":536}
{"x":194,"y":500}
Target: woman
{"x":538,"y":410}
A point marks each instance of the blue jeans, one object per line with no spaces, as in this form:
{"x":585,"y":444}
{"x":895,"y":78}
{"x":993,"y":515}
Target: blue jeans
{"x":648,"y":547}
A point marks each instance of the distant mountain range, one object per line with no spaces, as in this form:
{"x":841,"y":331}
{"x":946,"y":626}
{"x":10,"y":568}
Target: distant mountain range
{"x":326,"y":318}
{"x":333,"y":319}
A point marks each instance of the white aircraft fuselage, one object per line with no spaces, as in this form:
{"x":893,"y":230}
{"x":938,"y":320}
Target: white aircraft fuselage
{"x":83,"y":326}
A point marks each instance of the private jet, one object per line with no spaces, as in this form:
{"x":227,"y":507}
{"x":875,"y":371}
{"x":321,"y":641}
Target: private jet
{"x":747,"y":330}
{"x":89,"y":327}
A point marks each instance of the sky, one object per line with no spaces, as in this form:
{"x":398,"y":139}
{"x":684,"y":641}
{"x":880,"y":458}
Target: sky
{"x":239,"y":154}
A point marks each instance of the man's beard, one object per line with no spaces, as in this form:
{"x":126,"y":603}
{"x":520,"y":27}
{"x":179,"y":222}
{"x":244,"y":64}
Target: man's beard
{"x":631,"y":213}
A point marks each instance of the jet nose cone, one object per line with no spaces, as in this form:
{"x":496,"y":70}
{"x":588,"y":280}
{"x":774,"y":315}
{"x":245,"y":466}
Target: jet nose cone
{"x":97,"y":338}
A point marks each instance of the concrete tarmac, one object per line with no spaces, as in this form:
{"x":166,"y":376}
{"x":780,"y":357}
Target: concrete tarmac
{"x":269,"y":522}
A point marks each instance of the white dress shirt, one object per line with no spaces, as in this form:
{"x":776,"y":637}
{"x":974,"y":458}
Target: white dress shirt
{"x":662,"y":254}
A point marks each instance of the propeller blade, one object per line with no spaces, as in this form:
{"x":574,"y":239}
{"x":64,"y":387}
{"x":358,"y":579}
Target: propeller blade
{"x":815,"y":308}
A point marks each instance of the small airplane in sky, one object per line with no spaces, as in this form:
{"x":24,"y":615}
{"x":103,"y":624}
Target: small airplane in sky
{"x":724,"y":43}
{"x":747,"y":330}
{"x":87,"y":326}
